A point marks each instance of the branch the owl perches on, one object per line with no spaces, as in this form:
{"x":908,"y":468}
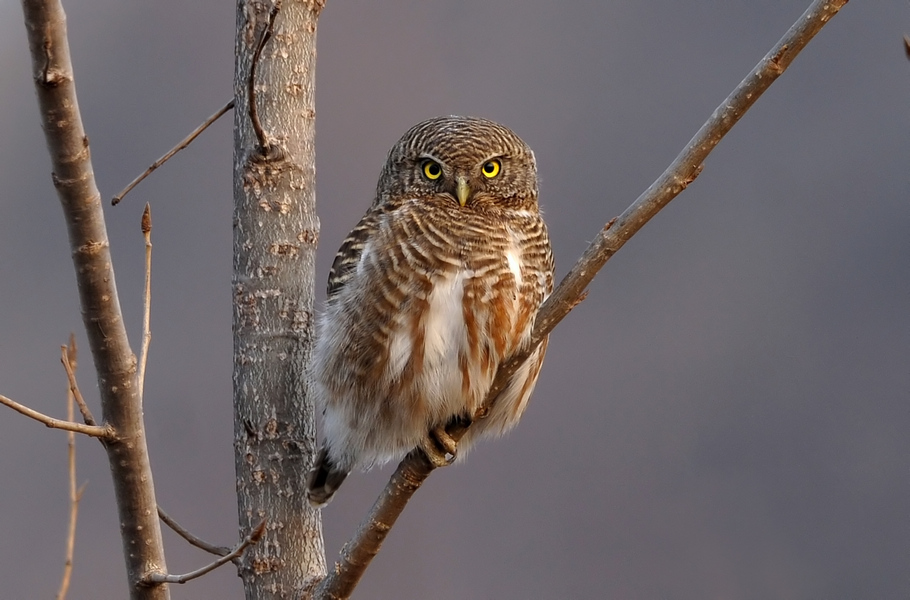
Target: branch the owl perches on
{"x":415,"y":468}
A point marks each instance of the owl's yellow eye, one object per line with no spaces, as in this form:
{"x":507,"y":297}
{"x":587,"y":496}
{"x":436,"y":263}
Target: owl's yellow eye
{"x":491,"y":168}
{"x":432,"y":170}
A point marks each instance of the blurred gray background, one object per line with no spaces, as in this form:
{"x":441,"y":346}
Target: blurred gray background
{"x":726,"y":416}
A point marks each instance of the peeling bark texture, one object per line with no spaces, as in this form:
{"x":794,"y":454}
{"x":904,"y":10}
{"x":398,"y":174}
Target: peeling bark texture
{"x":115,"y":362}
{"x":275,"y":236}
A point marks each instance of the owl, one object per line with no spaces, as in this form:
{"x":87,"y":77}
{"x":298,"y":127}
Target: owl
{"x":437,"y":286}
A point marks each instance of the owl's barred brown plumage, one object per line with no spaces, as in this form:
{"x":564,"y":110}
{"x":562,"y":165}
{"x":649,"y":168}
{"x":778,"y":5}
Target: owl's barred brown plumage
{"x":438,"y":284}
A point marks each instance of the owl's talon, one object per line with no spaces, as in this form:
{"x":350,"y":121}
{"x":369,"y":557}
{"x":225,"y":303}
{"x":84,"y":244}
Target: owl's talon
{"x":444,"y":441}
{"x":437,"y":458}
{"x":439,"y":448}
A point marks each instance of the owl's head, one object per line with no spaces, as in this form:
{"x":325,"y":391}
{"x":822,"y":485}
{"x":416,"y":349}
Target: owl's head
{"x":471,"y":162}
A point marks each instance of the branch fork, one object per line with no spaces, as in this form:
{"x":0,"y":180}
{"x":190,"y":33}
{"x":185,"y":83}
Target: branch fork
{"x":236,"y":552}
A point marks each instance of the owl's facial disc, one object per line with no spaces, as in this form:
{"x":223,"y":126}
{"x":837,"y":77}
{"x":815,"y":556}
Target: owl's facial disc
{"x":462,"y":190}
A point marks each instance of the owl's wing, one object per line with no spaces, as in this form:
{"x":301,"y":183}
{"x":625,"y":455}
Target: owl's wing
{"x":345,"y":263}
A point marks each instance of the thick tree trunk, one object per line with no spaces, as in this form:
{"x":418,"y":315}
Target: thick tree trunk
{"x":275,"y":236}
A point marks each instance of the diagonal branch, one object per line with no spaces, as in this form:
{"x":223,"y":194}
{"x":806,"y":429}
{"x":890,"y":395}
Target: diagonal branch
{"x":68,"y":358}
{"x":189,"y":537}
{"x":415,"y":468}
{"x":183,"y":144}
{"x":249,"y":540}
{"x":102,"y":432}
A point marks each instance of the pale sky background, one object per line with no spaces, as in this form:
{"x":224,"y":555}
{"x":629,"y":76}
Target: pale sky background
{"x":728,"y":414}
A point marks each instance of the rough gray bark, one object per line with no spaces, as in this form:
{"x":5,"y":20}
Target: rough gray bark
{"x":115,"y":362}
{"x":275,"y":236}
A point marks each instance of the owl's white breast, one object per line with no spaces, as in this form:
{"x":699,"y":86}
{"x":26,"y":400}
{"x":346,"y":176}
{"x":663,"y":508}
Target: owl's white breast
{"x":444,"y":326}
{"x":439,"y":376}
{"x":513,"y":257}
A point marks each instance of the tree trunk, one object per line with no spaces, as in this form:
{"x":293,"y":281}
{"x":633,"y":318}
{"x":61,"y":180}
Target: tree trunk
{"x":275,"y":236}
{"x":115,"y":363}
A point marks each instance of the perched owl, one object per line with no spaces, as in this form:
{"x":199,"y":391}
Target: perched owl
{"x":438,"y":285}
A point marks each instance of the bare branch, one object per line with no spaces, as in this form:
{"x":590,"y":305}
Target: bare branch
{"x":125,"y":440}
{"x":103,"y":432}
{"x":68,"y":358}
{"x":74,"y":494}
{"x":146,"y":297}
{"x":357,"y":554}
{"x":251,"y":539}
{"x":183,"y":144}
{"x":189,"y":537}
{"x":261,"y":135}
{"x":415,"y":468}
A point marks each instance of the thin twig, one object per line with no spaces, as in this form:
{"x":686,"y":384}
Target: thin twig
{"x":415,"y":468}
{"x":189,"y":537}
{"x":74,"y":494}
{"x":68,"y":359}
{"x":249,"y":540}
{"x":183,"y":144}
{"x":146,"y":297}
{"x":261,"y":135}
{"x":99,"y":431}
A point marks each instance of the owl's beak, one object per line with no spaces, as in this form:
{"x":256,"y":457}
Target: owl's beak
{"x":462,"y":190}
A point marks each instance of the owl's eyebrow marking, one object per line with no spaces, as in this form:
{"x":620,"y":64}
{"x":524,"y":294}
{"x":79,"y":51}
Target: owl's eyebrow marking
{"x":427,"y":156}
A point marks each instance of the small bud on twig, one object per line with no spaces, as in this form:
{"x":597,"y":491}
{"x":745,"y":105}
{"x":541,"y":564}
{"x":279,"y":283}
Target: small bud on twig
{"x":147,"y":220}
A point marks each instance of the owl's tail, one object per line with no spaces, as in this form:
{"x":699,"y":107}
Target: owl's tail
{"x":323,"y":480}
